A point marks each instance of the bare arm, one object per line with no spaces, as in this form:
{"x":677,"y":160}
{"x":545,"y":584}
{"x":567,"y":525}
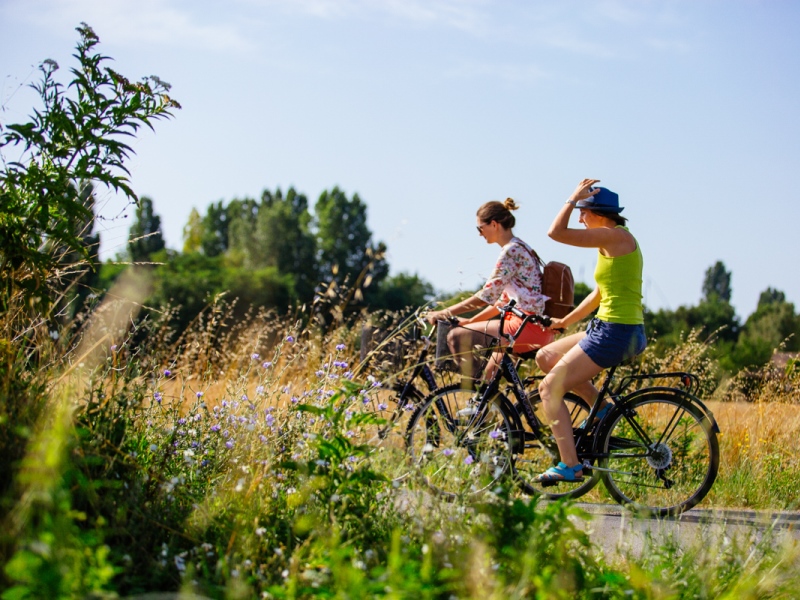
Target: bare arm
{"x":467,"y":305}
{"x":486,"y":314}
{"x":611,"y":240}
{"x":580,"y":312}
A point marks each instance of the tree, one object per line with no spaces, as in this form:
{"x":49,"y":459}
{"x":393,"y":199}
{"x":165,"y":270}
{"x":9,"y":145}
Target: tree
{"x":282,"y":238}
{"x":214,"y":239}
{"x":193,"y":233}
{"x":77,"y":136}
{"x":344,"y":241}
{"x":581,"y":291}
{"x":717,"y":283}
{"x":240,"y":216}
{"x":770,"y":297}
{"x":77,"y":275}
{"x":145,"y":238}
{"x":772,"y":325}
{"x":402,"y":291}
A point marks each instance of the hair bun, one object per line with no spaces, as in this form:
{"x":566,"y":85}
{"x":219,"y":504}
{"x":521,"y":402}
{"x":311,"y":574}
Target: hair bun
{"x":510,"y":204}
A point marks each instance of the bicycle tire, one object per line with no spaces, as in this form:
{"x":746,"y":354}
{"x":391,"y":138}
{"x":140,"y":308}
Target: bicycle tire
{"x":412,"y":399}
{"x":456,"y":454}
{"x":540,"y":452}
{"x":670,"y":464}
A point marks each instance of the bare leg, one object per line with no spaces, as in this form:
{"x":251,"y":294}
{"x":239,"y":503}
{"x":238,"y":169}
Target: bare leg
{"x":574,"y":369}
{"x":462,"y":340}
{"x":549,"y":356}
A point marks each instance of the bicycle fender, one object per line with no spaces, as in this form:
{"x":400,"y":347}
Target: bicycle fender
{"x":622,"y":406}
{"x":692,"y":399}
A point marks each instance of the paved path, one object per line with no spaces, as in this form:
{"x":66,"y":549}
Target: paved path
{"x":616,"y":530}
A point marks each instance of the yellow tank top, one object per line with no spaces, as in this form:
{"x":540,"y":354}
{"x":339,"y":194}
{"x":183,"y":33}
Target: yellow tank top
{"x":619,"y":280}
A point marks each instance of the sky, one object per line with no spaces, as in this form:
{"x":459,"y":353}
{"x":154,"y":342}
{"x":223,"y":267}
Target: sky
{"x":688,"y":109}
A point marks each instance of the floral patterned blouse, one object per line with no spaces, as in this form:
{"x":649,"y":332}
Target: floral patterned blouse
{"x":516,"y":275}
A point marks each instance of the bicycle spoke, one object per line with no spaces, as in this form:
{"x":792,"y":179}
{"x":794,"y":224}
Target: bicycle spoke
{"x":457,"y":451}
{"x":541,"y":452}
{"x":663,"y":457}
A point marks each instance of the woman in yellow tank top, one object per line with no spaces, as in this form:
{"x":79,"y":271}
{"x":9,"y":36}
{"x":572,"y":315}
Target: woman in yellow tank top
{"x":615,"y":334}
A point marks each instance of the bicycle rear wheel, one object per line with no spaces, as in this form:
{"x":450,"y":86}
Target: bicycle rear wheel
{"x":457,"y":452}
{"x":662,"y":453}
{"x":541,"y":453}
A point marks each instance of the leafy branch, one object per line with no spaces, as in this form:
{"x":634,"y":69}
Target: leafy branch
{"x":80,"y":134}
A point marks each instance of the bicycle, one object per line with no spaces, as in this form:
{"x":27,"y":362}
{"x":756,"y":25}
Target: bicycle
{"x":656,"y":449}
{"x":406,"y":391}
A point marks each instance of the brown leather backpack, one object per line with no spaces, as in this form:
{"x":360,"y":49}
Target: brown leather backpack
{"x":559,"y":285}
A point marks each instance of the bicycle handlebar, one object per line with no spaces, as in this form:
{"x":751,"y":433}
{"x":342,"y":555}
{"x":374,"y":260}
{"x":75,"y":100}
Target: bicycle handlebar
{"x":542,"y":320}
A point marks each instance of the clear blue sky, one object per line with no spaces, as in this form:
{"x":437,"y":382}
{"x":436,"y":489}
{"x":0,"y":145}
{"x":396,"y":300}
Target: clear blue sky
{"x":428,"y":108}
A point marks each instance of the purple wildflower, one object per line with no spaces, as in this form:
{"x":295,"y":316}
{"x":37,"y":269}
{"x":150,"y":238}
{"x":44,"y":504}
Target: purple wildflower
{"x":469,"y":460}
{"x":267,"y":365}
{"x":158,"y":397}
{"x":290,"y":339}
{"x":382,"y":406}
{"x":199,"y":394}
{"x":448,"y":452}
{"x":167,"y":372}
{"x":254,"y":356}
{"x":229,"y":444}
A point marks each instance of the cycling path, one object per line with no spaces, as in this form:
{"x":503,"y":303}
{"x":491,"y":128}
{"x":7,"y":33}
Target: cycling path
{"x":615,"y":529}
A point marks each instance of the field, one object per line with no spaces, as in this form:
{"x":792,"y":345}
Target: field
{"x":240,"y":460}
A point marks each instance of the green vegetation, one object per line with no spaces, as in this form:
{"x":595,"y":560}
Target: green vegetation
{"x":227,"y":447}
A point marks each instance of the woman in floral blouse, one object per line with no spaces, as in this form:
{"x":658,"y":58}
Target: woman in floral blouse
{"x":516,"y":276}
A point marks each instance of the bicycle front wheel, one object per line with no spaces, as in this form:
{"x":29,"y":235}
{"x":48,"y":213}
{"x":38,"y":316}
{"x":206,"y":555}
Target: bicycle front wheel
{"x":661,"y":453}
{"x":456,"y":450}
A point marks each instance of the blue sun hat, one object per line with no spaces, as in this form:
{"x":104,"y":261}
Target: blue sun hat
{"x":603,"y":201}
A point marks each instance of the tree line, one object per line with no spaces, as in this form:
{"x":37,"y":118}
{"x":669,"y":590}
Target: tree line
{"x":274,"y":252}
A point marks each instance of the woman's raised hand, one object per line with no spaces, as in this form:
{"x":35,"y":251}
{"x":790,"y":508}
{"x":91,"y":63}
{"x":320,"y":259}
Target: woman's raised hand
{"x":582,"y":191}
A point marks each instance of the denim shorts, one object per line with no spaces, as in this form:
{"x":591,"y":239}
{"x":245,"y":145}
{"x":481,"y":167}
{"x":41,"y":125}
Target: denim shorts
{"x":608,"y":344}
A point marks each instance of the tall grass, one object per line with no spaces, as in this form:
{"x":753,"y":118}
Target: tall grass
{"x":240,"y":459}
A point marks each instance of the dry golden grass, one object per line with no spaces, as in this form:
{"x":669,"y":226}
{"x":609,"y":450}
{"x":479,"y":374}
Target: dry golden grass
{"x":759,"y":465}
